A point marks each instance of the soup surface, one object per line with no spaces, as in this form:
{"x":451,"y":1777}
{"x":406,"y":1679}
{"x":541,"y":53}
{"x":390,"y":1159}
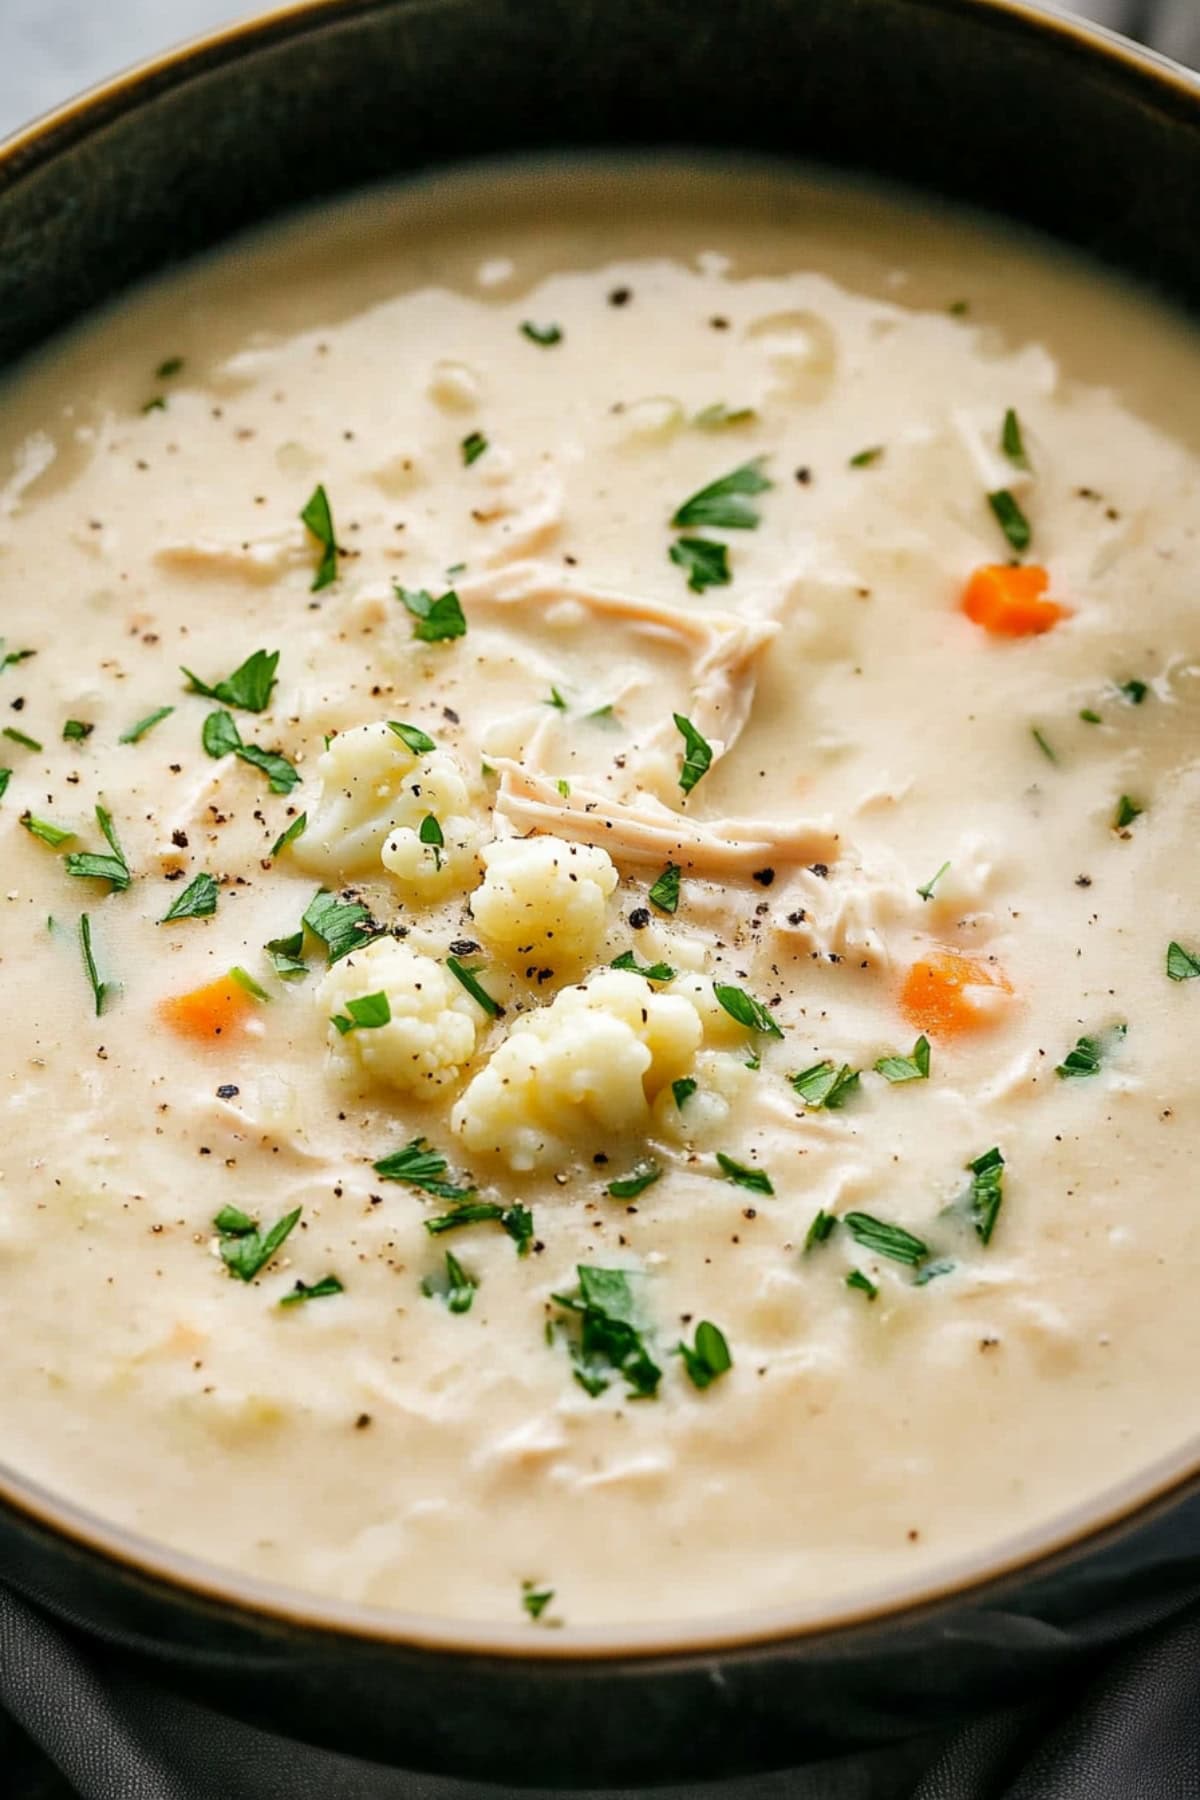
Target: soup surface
{"x":600,"y":1027}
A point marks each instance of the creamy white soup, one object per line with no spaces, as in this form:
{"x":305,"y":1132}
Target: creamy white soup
{"x":599,"y":822}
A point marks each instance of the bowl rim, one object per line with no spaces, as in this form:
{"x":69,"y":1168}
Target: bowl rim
{"x":980,"y":1575}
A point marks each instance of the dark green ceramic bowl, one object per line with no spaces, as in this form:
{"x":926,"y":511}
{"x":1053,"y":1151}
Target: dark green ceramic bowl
{"x":984,"y":101}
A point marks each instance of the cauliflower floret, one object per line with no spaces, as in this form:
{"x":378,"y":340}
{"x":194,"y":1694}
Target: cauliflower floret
{"x":433,"y":1024}
{"x":586,"y":1068}
{"x":375,"y":794}
{"x":723,"y":1082}
{"x":721,"y":1029}
{"x":544,"y":896}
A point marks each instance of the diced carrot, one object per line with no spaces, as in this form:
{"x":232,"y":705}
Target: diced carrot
{"x":1009,"y":602}
{"x":946,"y":993}
{"x":218,"y":1010}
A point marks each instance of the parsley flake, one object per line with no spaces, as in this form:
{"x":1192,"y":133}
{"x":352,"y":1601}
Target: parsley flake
{"x":683,"y":1089}
{"x":821,"y":1230}
{"x":197,"y":901}
{"x":5,"y":778}
{"x":456,"y":1288}
{"x":535,"y":1600}
{"x":113,"y":868}
{"x":20,"y":737}
{"x":757,"y":1180}
{"x":138,"y":731}
{"x":342,"y":925}
{"x":611,"y":1342}
{"x":642,"y":1176}
{"x":826,"y":1086}
{"x":1181,"y":964}
{"x":100,"y":989}
{"x":866,"y":459}
{"x":412,"y":737}
{"x":1012,"y":442}
{"x":421,"y":1167}
{"x":1134,"y":691}
{"x":46,"y":831}
{"x":1043,"y":744}
{"x":320,"y":1290}
{"x":987,"y":1192}
{"x":883,"y":1239}
{"x":665,"y":892}
{"x":221,"y":737}
{"x":430,"y":833}
{"x":1127,"y":811}
{"x":479,"y":994}
{"x":433,"y":620}
{"x":926,"y":892}
{"x":296,"y":829}
{"x":245,"y":1249}
{"x":287,"y":958}
{"x":249,"y":687}
{"x":317,"y":515}
{"x":659,"y":971}
{"x":719,"y":417}
{"x":473,"y":447}
{"x":697,"y":757}
{"x":745,"y":1009}
{"x":1011,"y":520}
{"x":906,"y":1068}
{"x":367,"y":1013}
{"x":862,"y":1283}
{"x":708,"y":1358}
{"x":545,"y":335}
{"x":517,"y":1221}
{"x":725,"y":504}
{"x":10,"y":658}
{"x":75,"y":731}
{"x":705,"y":561}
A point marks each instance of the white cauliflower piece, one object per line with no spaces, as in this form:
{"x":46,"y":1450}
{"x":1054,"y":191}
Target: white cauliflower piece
{"x":433,"y":1025}
{"x":375,"y":795}
{"x":543,"y":896}
{"x":723,"y":1082}
{"x":721,"y":1029}
{"x":574,"y":1075}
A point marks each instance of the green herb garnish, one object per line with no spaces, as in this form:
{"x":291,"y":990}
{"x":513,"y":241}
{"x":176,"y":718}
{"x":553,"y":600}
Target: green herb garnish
{"x":421,"y":1167}
{"x":725,"y":504}
{"x":479,"y":994}
{"x":138,"y":731}
{"x":248,"y":985}
{"x":930,"y":1271}
{"x":249,"y":687}
{"x":856,"y":1279}
{"x":883,"y":1239}
{"x":719,"y":416}
{"x":1012,"y":442}
{"x":412,"y":737}
{"x":46,"y":831}
{"x":5,"y":778}
{"x":705,"y":561}
{"x":536,"y":1600}
{"x":245,"y":1249}
{"x":318,"y":516}
{"x":987,"y":1192}
{"x":320,"y":1290}
{"x":430,"y":833}
{"x":221,"y":737}
{"x":455,"y":1287}
{"x":20,"y":737}
{"x":1090,"y":716}
{"x":473,"y":447}
{"x":113,"y":868}
{"x":296,"y":829}
{"x":100,"y":989}
{"x":1181,"y":964}
{"x":697,"y":757}
{"x":367,"y":1013}
{"x":342,"y":925}
{"x":926,"y":892}
{"x":433,"y":620}
{"x":866,"y":459}
{"x":683,"y":1089}
{"x":286,"y":957}
{"x":659,"y":971}
{"x":75,"y":731}
{"x":757,"y":1180}
{"x":822,"y":1228}
{"x":556,"y":701}
{"x":745,"y":1009}
{"x":516,"y":1220}
{"x":197,"y":901}
{"x":10,"y":658}
{"x":826,"y":1086}
{"x":665,"y":892}
{"x":611,"y":1343}
{"x":708,"y":1358}
{"x":906,"y":1068}
{"x":1089,"y":1053}
{"x":1127,"y":811}
{"x":642,"y":1176}
{"x":1134,"y":691}
{"x":1043,"y":745}
{"x":1011,"y":520}
{"x":545,"y":335}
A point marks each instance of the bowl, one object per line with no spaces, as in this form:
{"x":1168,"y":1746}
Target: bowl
{"x":992,"y":103}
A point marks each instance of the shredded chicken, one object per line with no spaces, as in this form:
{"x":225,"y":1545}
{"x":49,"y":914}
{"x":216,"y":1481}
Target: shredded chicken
{"x":257,"y":560}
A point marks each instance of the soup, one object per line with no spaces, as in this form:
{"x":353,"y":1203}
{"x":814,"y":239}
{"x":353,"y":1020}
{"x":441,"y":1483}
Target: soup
{"x":597,"y":823}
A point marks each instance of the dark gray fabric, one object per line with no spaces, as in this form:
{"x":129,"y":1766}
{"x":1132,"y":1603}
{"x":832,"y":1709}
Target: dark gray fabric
{"x":1131,"y":1732}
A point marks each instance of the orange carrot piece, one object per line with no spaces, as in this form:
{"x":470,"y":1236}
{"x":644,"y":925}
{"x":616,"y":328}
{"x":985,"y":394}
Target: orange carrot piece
{"x":941,"y":993}
{"x":215,"y":1011}
{"x":1009,"y":602}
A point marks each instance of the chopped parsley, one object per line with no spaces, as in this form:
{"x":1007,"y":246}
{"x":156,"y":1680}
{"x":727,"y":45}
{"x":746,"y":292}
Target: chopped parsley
{"x":1012,"y":442}
{"x":296,"y":829}
{"x":455,"y":1287}
{"x":726,"y":504}
{"x":866,"y":459}
{"x":249,"y":687}
{"x":665,"y":892}
{"x":1011,"y":520}
{"x":248,"y":984}
{"x":221,"y":737}
{"x":367,"y":1013}
{"x":113,"y":868}
{"x":926,"y":892}
{"x":245,"y":1249}
{"x":611,"y":1343}
{"x":473,"y":447}
{"x":1127,"y":811}
{"x":433,"y":620}
{"x":821,"y":1230}
{"x":745,"y":1009}
{"x":535,"y":1600}
{"x":1043,"y":745}
{"x":683,"y":1089}
{"x":826,"y":1086}
{"x":642,"y":1176}
{"x":5,"y":778}
{"x":516,"y":1220}
{"x":1090,"y":716}
{"x":286,"y":957}
{"x":1181,"y":964}
{"x":757,"y":1180}
{"x":883,"y":1239}
{"x":421,"y":1167}
{"x":987,"y":1192}
{"x":318,"y":516}
{"x":556,"y":701}
{"x":171,"y":365}
{"x":1090,"y":1052}
{"x":430,"y":833}
{"x":76,"y":730}
{"x":341,"y":925}
{"x":138,"y":731}
{"x":659,"y":971}
{"x":412,"y":737}
{"x":545,"y":335}
{"x":197,"y":901}
{"x":906,"y":1068}
{"x":861,"y":1283}
{"x":479,"y":994}
{"x":719,"y":416}
{"x":708,"y":1357}
{"x":705,"y":561}
{"x":46,"y":831}
{"x":10,"y":658}
{"x":564,"y":787}
{"x":320,"y":1290}
{"x":1134,"y":691}
{"x":20,"y":737}
{"x":100,"y":989}
{"x":930,"y":1271}
{"x":697,"y":757}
